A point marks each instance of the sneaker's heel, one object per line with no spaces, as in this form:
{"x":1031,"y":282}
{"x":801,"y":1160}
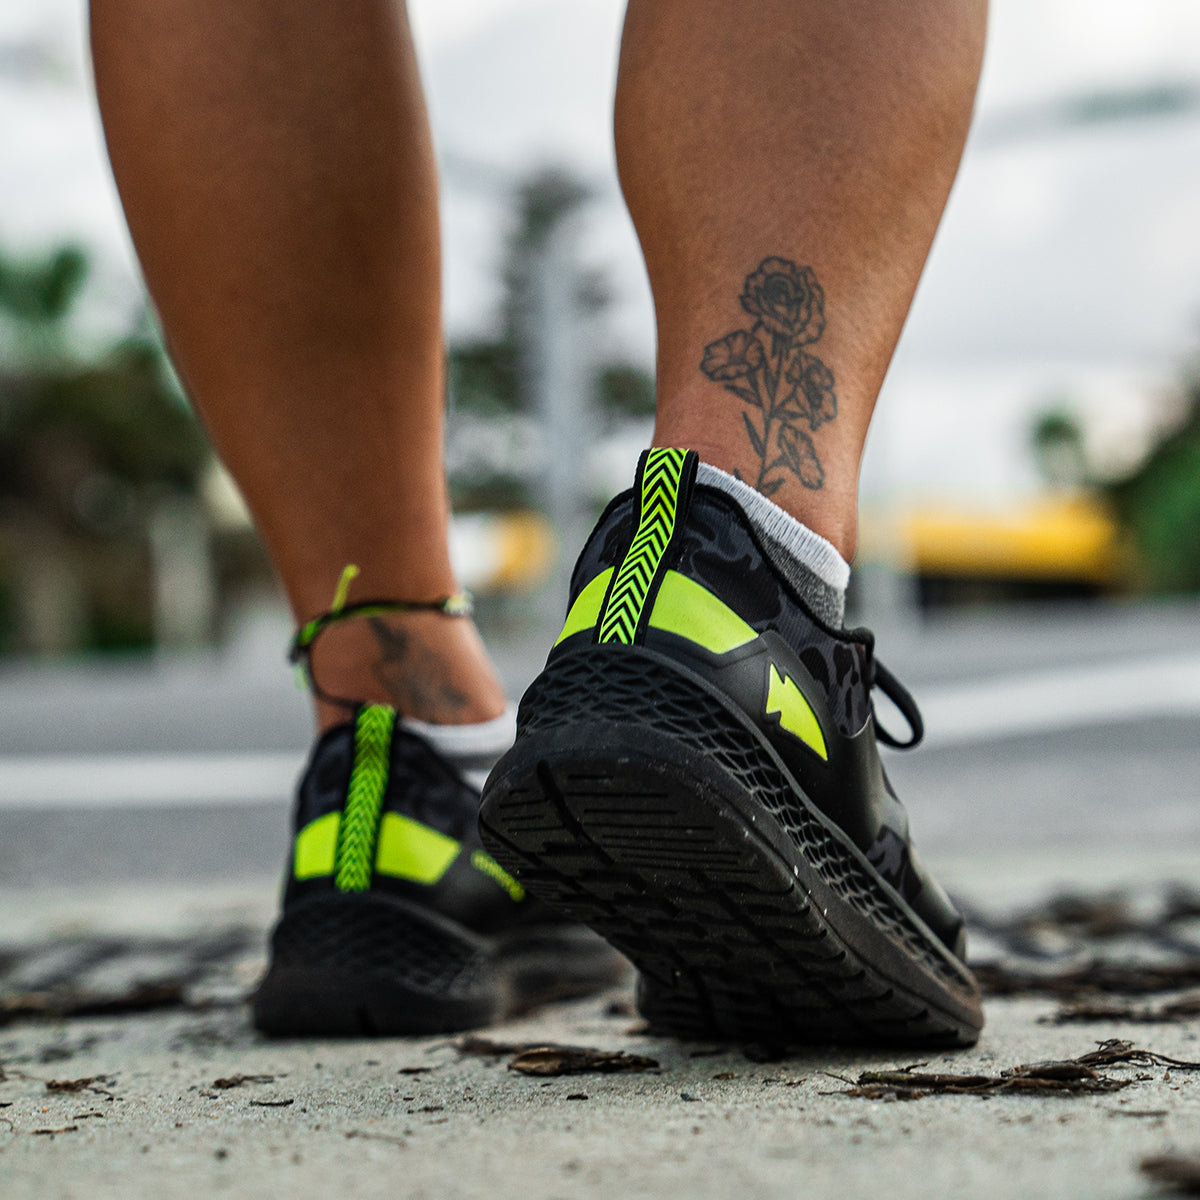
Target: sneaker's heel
{"x":365,"y":964}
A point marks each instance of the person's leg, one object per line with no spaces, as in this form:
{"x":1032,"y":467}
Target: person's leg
{"x":819,"y":141}
{"x":695,"y":772}
{"x":277,"y":173}
{"x":275,"y":164}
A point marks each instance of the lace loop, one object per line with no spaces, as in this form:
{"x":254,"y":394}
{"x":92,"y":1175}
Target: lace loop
{"x":456,"y":604}
{"x":899,"y":695}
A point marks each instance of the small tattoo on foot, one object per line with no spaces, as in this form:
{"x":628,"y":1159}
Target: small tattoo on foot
{"x":769,"y":368}
{"x":413,"y":675}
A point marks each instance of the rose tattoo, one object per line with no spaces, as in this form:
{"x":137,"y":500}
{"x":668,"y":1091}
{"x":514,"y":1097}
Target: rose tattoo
{"x":768,"y":368}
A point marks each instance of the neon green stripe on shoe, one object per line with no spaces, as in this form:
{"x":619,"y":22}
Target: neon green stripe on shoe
{"x":364,"y":799}
{"x":585,"y":612}
{"x":316,"y":847}
{"x":685,"y":608}
{"x":410,"y":850}
{"x":487,"y":865}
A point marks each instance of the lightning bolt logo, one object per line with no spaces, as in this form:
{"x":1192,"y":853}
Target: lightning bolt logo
{"x":785,"y":700}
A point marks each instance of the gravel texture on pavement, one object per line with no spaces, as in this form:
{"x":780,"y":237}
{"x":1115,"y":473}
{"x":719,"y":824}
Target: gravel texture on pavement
{"x":185,"y":1099}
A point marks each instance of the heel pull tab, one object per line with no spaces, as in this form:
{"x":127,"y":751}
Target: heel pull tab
{"x":663,"y":485}
{"x":358,"y":834}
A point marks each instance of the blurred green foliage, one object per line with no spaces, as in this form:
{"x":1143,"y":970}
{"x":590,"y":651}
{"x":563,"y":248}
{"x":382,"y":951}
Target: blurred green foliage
{"x":116,"y":416}
{"x":1057,"y":442}
{"x":41,"y":292}
{"x":626,"y":390}
{"x":1159,"y":504}
{"x":485,"y":374}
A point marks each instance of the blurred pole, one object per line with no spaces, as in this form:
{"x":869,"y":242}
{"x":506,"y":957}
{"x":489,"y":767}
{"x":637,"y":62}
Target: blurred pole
{"x":185,"y":592}
{"x":552,"y":376}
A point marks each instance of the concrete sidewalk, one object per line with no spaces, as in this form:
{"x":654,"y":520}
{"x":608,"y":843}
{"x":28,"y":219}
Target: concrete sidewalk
{"x":420,"y":1118}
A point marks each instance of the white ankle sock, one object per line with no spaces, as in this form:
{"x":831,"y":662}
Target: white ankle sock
{"x":473,"y":749}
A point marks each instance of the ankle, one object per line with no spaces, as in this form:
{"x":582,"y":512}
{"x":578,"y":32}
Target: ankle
{"x":425,"y":665}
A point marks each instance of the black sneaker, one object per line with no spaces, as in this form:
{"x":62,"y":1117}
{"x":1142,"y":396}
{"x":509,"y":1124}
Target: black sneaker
{"x":696,"y":777}
{"x":395,"y":919}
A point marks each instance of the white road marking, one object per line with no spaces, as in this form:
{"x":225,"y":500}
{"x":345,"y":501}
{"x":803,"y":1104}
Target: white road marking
{"x":1064,"y":698}
{"x":145,"y":780}
{"x":152,"y":780}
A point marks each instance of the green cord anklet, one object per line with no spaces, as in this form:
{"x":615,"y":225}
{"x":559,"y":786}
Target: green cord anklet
{"x":457,"y":604}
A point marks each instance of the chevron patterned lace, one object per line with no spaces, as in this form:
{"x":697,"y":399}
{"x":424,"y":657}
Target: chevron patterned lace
{"x":359,"y":830}
{"x":656,"y":524}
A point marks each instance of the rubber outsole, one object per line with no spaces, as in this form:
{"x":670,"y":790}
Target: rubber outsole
{"x":370,"y":965}
{"x":743,"y":925}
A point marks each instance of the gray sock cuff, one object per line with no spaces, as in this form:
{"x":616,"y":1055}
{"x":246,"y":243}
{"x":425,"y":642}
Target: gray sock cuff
{"x":806,"y":560}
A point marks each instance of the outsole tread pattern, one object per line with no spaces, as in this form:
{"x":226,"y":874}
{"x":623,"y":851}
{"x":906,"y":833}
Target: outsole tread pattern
{"x":358,"y":965}
{"x":624,"y":689}
{"x":729,"y":942}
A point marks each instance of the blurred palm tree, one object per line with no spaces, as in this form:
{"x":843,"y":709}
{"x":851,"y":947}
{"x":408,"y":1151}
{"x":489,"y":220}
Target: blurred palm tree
{"x":35,"y":297}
